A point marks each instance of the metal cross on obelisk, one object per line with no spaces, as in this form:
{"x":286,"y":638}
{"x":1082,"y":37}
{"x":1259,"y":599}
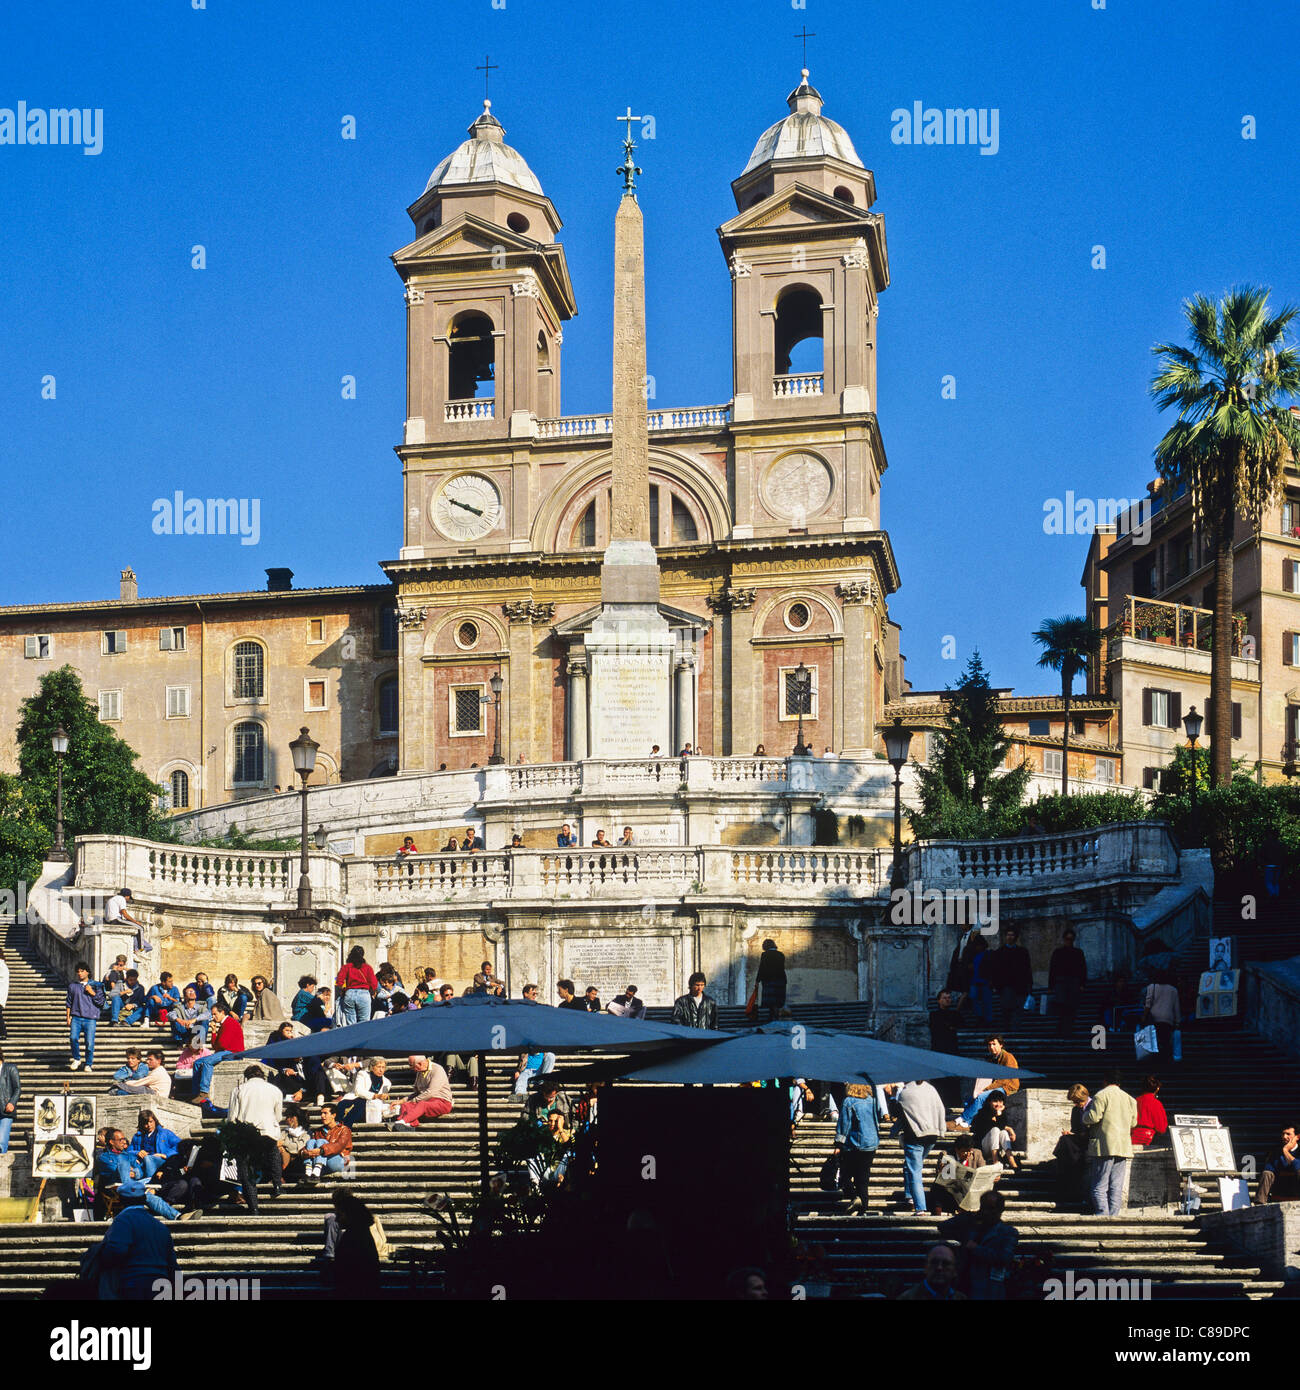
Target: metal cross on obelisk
{"x":628,"y":169}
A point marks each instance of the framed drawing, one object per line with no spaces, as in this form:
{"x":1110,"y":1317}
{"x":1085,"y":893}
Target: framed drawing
{"x":1187,"y":1149}
{"x":1216,"y":1145}
{"x":63,"y":1138}
{"x":1220,"y":953}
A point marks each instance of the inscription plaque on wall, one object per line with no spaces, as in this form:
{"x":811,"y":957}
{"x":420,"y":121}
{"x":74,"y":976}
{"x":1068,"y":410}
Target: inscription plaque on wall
{"x":629,"y":693}
{"x":613,"y":962}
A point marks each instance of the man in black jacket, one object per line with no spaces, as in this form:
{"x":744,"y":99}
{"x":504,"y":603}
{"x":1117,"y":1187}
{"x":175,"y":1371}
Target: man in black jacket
{"x":771,"y":979}
{"x":696,"y":1009}
{"x":10,"y":1094}
{"x":1066,"y":976}
{"x":1014,"y":975}
{"x":943,"y":1038}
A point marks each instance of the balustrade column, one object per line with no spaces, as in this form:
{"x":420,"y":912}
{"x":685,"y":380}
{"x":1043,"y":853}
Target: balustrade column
{"x":685,"y":702}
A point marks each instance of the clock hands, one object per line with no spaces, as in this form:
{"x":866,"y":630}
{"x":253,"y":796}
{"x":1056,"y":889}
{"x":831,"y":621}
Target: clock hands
{"x":455,"y":502}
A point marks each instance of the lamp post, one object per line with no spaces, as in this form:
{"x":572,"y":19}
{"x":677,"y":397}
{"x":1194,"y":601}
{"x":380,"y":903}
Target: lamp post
{"x":1192,"y":728}
{"x":898,"y":743}
{"x":802,"y":677}
{"x":59,"y":742}
{"x":303,"y":749}
{"x":320,"y":837}
{"x":496,"y":684}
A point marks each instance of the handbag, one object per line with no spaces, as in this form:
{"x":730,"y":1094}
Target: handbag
{"x":828,"y":1179}
{"x":1176,"y":1045}
{"x":1144,"y":1042}
{"x":751,"y":1007}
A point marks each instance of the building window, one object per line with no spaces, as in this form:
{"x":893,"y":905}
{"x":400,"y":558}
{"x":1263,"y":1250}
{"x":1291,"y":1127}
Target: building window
{"x":473,"y":359}
{"x":1291,"y":753}
{"x":37,"y":647}
{"x":1209,"y":718}
{"x":250,"y":755}
{"x":466,"y":710}
{"x":1291,"y":518}
{"x":314,"y":693}
{"x":798,"y":616}
{"x":388,"y":629}
{"x":1040,"y":728}
{"x":467,"y":635}
{"x":1080,"y":726}
{"x":1291,"y":649}
{"x":1161,"y":709}
{"x":388,"y":707}
{"x":584,"y":530}
{"x":1052,"y":761}
{"x":113,"y":642}
{"x":684,"y":528}
{"x":798,"y":333}
{"x":249,"y":671}
{"x":1107,"y":771}
{"x":110,"y":705}
{"x":180,"y":783}
{"x":171,"y":639}
{"x":178,"y":702}
{"x":795,"y":697}
{"x":1291,"y":576}
{"x":316,"y":629}
{"x":1153,"y":778}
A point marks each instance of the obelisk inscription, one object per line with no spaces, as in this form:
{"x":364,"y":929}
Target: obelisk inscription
{"x":630,"y":513}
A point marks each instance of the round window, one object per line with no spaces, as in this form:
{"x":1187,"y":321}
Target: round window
{"x":467,"y":634}
{"x":845,"y":195}
{"x":798,"y":616}
{"x":517,"y":222}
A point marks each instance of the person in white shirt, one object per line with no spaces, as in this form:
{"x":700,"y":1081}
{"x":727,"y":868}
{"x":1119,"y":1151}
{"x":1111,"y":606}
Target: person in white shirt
{"x":155,"y":1082}
{"x":372,"y":1086}
{"x":256,"y":1102}
{"x":626,"y":1005}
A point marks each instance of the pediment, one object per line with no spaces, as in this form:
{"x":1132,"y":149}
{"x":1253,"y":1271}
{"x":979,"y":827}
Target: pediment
{"x":675,"y":617}
{"x":797,"y":206}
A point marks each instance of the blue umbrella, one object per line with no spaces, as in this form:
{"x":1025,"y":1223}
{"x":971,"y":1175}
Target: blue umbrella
{"x":791,"y":1049}
{"x":484,"y":1023}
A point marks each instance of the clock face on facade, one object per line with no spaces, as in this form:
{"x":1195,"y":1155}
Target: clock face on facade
{"x":467,"y":507}
{"x":797,"y":487}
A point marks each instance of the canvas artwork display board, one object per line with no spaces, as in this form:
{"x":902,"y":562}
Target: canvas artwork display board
{"x":1202,"y":1149}
{"x":1216,"y":995}
{"x":63,"y":1138}
{"x":1221,"y":953}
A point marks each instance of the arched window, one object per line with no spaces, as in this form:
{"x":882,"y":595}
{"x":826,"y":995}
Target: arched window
{"x":798,"y":333}
{"x":473,"y":359}
{"x":250,"y":755}
{"x":584,"y":532}
{"x":180,"y":780}
{"x":388,"y":706}
{"x":543,"y":353}
{"x":249,"y":672}
{"x":684,"y":527}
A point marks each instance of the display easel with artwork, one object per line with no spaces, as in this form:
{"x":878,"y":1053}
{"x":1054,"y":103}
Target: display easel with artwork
{"x":63,"y":1138}
{"x":1202,"y":1147}
{"x":1216,"y":996}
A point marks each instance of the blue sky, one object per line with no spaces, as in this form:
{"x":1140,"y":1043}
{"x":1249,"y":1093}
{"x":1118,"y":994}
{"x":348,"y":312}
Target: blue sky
{"x":1119,"y":127}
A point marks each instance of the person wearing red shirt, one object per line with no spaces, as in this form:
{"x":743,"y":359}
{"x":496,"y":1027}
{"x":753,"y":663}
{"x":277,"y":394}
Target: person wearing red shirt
{"x":357,"y":986}
{"x":227,"y":1040}
{"x":1151,"y":1117}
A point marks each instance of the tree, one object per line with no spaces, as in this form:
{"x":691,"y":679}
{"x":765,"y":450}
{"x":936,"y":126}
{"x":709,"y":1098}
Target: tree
{"x":24,"y":836}
{"x":963,"y":790}
{"x":1228,"y":447}
{"x":104,"y":793}
{"x":1067,"y":644}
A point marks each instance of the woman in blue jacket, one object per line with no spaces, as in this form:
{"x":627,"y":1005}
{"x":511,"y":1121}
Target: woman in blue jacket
{"x":152,"y":1145}
{"x":856,"y":1139}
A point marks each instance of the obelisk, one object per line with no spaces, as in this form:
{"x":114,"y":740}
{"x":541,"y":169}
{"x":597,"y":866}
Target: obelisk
{"x":630,"y":645}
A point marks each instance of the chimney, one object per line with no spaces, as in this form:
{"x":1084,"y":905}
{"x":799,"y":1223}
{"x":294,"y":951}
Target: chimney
{"x":279,"y":580}
{"x":129,"y":591}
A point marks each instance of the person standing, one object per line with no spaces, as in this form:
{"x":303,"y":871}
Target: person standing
{"x":1067,"y":973}
{"x":981,"y":978}
{"x":771,"y":979}
{"x":356,"y":987}
{"x":10,"y":1094}
{"x":1014,"y":975}
{"x":255,"y":1101}
{"x":695,"y":1009}
{"x":921,"y":1121}
{"x":943,"y":1038}
{"x":566,"y":839}
{"x":85,"y":1002}
{"x":1160,"y":1006}
{"x":1111,"y":1116}
{"x":138,"y":1247}
{"x":857,"y":1136}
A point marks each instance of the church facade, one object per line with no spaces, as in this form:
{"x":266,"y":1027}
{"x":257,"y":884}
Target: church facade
{"x":764,"y":511}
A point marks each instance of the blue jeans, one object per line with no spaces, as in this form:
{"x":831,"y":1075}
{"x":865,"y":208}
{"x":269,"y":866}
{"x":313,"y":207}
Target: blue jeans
{"x":914,"y":1156}
{"x":354,"y":1007}
{"x":134,"y":1015}
{"x":982,"y":1001}
{"x":5,"y":1126}
{"x":974,"y":1106}
{"x":160,"y":1208}
{"x":332,"y":1164}
{"x":204,"y":1068}
{"x":114,"y":1006}
{"x":1106,"y":1185}
{"x":151,"y":1164}
{"x":79,"y":1028}
{"x":527,"y":1074}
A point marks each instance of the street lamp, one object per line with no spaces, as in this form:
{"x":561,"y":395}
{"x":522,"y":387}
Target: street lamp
{"x":496,"y":684}
{"x":59,"y":742}
{"x":320,"y":837}
{"x":1192,"y":728}
{"x":898,"y":743}
{"x":802,"y":678}
{"x":303,"y":749}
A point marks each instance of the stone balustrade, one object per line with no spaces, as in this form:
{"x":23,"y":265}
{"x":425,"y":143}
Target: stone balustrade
{"x":801,"y":384}
{"x":457,"y":412}
{"x":698,"y":417}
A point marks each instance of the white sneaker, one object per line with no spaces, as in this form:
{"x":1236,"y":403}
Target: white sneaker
{"x":86,"y":1069}
{"x":73,"y":1064}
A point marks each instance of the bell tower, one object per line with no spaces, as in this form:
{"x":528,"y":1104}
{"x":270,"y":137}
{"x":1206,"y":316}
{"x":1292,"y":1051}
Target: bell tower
{"x":487,"y":292}
{"x":808,"y":261}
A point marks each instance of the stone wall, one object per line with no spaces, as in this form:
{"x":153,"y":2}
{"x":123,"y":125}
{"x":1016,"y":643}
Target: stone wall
{"x":1268,"y":1235}
{"x":1270,"y":996}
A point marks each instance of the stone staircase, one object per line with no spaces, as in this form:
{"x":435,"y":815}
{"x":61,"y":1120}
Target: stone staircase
{"x":1225,"y":1071}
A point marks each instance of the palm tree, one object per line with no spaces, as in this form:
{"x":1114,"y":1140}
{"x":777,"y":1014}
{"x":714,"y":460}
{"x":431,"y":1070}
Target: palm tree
{"x":1228,"y":447}
{"x":1067,"y":644}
